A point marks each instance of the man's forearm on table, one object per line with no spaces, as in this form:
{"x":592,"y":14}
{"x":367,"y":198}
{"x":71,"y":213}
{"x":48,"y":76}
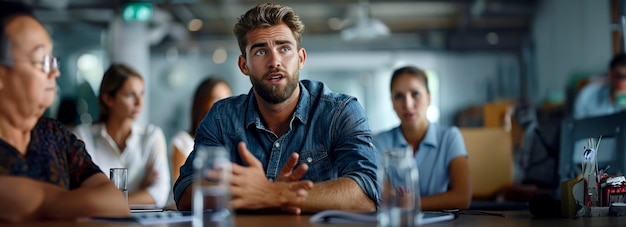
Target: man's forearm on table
{"x":339,"y":194}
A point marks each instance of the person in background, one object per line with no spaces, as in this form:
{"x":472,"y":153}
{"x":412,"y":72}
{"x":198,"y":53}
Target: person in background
{"x":45,"y":172}
{"x":439,"y":151}
{"x":211,"y":90}
{"x":607,"y":97}
{"x":282,"y":122}
{"x":602,"y":98}
{"x":116,"y":142}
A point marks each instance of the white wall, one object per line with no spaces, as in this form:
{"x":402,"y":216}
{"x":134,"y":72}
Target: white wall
{"x":570,"y":36}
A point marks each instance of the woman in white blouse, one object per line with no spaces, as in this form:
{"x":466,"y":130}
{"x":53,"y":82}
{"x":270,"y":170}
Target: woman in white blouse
{"x":211,"y":90}
{"x":116,"y":142}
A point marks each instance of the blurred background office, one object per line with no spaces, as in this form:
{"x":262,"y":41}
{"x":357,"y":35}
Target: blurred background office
{"x":507,"y":64}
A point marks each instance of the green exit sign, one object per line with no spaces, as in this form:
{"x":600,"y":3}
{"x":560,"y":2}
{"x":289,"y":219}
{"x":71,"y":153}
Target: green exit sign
{"x":137,"y":11}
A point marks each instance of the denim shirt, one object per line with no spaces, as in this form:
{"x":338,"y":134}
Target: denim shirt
{"x":328,"y":130}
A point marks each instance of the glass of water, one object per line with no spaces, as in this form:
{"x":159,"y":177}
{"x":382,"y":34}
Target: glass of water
{"x":400,"y":196}
{"x":119,"y":177}
{"x":211,"y":189}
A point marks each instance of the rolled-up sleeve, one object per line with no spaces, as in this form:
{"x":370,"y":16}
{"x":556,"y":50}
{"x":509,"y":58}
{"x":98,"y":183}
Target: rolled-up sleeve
{"x":181,"y":184}
{"x":357,"y":157}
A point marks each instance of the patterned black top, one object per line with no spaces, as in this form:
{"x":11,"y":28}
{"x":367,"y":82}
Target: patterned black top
{"x":54,"y":155}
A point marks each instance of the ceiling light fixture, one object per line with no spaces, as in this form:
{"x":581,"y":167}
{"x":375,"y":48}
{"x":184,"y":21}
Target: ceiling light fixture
{"x":360,"y":26}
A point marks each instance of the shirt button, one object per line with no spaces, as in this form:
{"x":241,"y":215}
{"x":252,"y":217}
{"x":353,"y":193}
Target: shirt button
{"x":277,"y":145}
{"x":309,"y":159}
{"x":270,"y":180}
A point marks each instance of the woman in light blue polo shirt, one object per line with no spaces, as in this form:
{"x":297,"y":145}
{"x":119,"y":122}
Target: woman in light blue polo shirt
{"x":441,"y":156}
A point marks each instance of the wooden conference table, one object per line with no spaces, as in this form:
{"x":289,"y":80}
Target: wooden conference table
{"x":512,"y":219}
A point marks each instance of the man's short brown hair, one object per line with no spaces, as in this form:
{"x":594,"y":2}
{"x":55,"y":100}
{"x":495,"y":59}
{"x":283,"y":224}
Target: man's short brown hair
{"x":266,"y":15}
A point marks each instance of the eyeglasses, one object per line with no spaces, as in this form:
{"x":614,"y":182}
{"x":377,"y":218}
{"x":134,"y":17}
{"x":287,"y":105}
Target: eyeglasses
{"x":48,"y":63}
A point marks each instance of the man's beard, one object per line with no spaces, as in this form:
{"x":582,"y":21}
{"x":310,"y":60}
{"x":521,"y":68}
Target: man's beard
{"x":272,"y":93}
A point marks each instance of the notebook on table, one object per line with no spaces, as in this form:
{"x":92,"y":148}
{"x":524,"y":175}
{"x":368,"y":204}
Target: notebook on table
{"x":138,"y":208}
{"x":338,"y":216}
{"x":146,"y":218}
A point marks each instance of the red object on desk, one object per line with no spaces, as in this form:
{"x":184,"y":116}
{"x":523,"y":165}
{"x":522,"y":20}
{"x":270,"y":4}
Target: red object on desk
{"x":613,"y":193}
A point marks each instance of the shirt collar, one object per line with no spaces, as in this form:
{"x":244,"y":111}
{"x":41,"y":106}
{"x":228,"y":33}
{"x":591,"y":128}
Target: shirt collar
{"x":430,"y":139}
{"x":103,"y":130}
{"x":301,"y":113}
{"x":304,"y":105}
{"x":132,"y":138}
{"x":253,"y":115}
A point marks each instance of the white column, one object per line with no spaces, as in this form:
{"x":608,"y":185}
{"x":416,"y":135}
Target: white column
{"x":128,"y":43}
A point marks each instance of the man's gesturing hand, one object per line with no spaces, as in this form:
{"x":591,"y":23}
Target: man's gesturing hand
{"x":251,"y":190}
{"x":288,"y":174}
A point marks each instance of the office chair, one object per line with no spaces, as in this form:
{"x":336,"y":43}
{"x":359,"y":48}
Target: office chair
{"x":609,"y":126}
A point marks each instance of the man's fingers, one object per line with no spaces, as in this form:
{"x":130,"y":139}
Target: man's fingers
{"x":292,"y":210}
{"x":236,"y":191}
{"x":285,"y":172}
{"x":236,"y":181}
{"x":215,"y":175}
{"x":236,"y":203}
{"x":305,"y":185}
{"x":302,"y":193}
{"x":248,"y":157}
{"x":237,"y":169}
{"x":299,"y":172}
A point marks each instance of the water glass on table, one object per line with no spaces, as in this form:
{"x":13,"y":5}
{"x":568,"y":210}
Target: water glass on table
{"x":400,"y":197}
{"x":211,"y":189}
{"x":119,"y":176}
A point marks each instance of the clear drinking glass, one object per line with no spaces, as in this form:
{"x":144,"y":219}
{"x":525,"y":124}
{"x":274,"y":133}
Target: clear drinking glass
{"x":400,"y":201}
{"x":119,"y":176}
{"x":211,"y":189}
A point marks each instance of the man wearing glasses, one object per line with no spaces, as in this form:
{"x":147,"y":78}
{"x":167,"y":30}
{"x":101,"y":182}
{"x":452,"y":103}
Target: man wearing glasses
{"x":45,"y":172}
{"x":604,"y":98}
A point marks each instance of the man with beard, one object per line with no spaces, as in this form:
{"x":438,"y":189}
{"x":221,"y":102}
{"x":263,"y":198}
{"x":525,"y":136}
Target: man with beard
{"x":295,"y":145}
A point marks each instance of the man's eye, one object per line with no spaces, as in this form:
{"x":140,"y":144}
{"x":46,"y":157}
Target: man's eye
{"x":285,"y":49}
{"x":398,"y":97}
{"x":259,"y":52}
